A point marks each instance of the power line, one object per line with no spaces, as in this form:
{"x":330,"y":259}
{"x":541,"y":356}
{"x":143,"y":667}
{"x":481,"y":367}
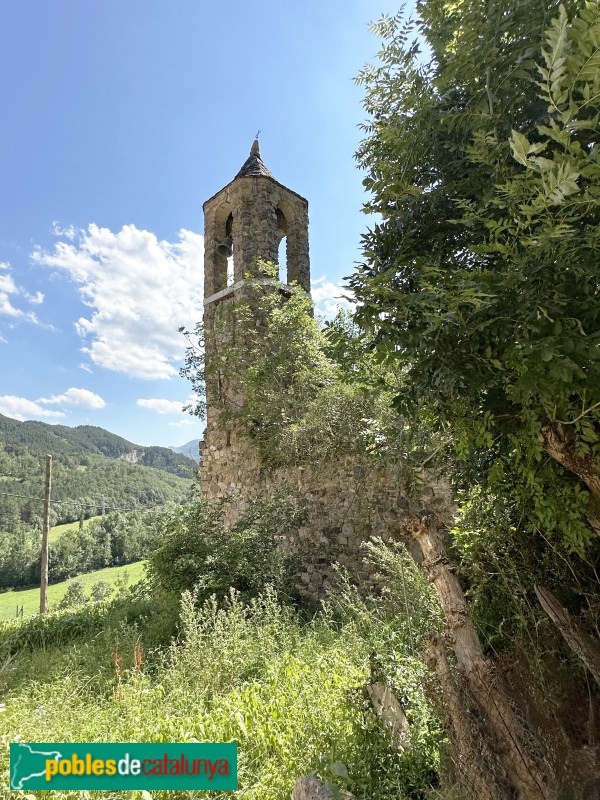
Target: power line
{"x":84,"y":505}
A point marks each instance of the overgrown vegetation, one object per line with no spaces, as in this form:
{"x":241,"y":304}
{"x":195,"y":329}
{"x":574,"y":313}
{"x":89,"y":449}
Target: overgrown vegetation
{"x":480,"y":285}
{"x":303,"y":391}
{"x":287,"y":688}
{"x":474,"y":349}
{"x":479,"y":288}
{"x":199,"y":550}
{"x":482,"y":278}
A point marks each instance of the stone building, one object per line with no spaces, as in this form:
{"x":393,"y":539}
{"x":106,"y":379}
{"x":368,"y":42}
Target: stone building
{"x":346,"y":502}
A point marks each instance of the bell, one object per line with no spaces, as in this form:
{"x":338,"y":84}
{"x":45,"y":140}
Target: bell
{"x":226,"y":247}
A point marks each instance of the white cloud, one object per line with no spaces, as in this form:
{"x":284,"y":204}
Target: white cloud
{"x":10,"y":292}
{"x":184,"y":421}
{"x":330,"y":297}
{"x":161,"y":406}
{"x":36,"y":298}
{"x":67,"y":233}
{"x":140,"y":290}
{"x":20,"y":408}
{"x":82,"y":398}
{"x":86,"y":368}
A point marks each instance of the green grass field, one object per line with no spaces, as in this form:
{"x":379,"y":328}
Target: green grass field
{"x":56,"y":531}
{"x":30,"y":598}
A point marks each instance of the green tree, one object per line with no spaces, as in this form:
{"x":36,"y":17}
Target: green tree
{"x":481,"y":279}
{"x":75,"y":594}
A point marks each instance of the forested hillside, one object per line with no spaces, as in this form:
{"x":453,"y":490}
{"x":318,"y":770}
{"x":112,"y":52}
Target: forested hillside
{"x":92,"y":470}
{"x":40,"y":438}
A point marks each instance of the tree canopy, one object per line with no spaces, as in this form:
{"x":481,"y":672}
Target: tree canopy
{"x":481,"y":277}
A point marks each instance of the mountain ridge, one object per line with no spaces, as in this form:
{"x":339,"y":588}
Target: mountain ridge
{"x":190,"y":449}
{"x":92,"y":469}
{"x":41,"y":437}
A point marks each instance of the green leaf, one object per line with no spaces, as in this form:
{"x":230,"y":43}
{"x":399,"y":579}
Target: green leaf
{"x":241,"y":722}
{"x":520,"y":146}
{"x":339,"y":770}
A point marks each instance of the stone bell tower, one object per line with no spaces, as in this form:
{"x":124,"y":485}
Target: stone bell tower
{"x":347,"y":497}
{"x":247,"y":219}
{"x":254,"y":212}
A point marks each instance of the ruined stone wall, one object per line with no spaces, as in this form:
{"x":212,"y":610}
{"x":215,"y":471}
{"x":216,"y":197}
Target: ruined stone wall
{"x":347,"y":502}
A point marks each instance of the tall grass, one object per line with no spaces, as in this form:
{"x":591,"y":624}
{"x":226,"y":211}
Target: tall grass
{"x":287,"y":689}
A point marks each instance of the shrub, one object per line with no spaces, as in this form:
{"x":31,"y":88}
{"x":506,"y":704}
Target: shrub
{"x":199,"y":551}
{"x":101,"y":591}
{"x":75,"y":594}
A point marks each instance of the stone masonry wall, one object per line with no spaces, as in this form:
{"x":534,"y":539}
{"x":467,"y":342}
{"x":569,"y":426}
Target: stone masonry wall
{"x":346,"y":502}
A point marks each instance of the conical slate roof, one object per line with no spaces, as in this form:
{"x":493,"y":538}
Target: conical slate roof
{"x":254,"y":164}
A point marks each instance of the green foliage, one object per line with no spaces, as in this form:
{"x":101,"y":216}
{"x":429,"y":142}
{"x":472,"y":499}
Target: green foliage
{"x":481,"y":280}
{"x":197,"y":549}
{"x":289,"y":691}
{"x":106,"y":541}
{"x":400,"y":619}
{"x":75,"y":595}
{"x":303,"y":392}
{"x":500,"y":565}
{"x":193,"y":368}
{"x":53,"y":629}
{"x":101,"y":591}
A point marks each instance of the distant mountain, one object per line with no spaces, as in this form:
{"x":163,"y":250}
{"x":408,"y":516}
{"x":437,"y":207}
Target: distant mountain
{"x":92,"y":469}
{"x":41,"y":438}
{"x":190,"y":449}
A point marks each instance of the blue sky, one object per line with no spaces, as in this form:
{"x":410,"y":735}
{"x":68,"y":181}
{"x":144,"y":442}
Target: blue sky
{"x":120,"y":118}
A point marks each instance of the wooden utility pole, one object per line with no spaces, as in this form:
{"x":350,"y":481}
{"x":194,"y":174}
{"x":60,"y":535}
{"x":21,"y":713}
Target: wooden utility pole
{"x":45,"y":538}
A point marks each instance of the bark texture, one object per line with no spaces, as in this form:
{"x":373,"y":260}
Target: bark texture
{"x":558,"y":443}
{"x":529,"y":779}
{"x":572,"y":630}
{"x":468,"y":761}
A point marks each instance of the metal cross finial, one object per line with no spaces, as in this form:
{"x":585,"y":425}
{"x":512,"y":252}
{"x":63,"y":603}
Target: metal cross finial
{"x":257,"y":134}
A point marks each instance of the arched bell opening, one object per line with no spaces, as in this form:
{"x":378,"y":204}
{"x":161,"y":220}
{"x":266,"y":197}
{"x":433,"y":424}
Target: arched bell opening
{"x":220,"y":249}
{"x":282,"y":260}
{"x":229,"y":241}
{"x":282,"y":231}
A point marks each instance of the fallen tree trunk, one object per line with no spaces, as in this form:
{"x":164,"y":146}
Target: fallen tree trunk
{"x":572,"y":631}
{"x":526,"y":776}
{"x":389,"y":711}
